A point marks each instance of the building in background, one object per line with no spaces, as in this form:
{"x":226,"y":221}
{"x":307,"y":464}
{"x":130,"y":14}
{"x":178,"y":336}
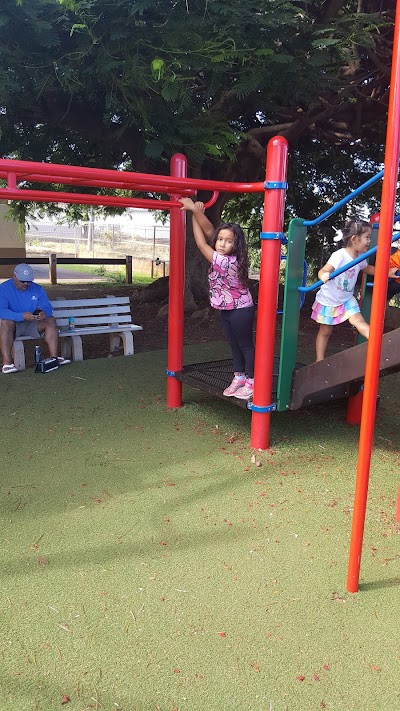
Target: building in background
{"x":12,"y":243}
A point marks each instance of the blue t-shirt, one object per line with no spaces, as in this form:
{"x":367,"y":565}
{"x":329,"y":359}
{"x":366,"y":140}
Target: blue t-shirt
{"x":14,"y":302}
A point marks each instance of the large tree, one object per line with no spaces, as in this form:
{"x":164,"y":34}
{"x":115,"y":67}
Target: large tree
{"x":103,"y":83}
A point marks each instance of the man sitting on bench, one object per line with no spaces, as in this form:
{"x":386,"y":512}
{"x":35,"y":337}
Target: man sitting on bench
{"x":25,"y":311}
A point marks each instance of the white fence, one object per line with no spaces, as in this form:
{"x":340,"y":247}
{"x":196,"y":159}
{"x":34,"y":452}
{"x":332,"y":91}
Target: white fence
{"x":91,"y":239}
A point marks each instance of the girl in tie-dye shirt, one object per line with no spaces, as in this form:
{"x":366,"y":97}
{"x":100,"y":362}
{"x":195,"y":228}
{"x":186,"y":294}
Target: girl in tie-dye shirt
{"x":334,"y":302}
{"x":228,"y":276}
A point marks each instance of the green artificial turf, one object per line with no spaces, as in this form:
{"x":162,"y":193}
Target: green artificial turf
{"x":151,"y":561}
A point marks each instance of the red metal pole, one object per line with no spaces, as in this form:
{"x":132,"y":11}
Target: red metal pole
{"x":52,"y":172}
{"x":354,"y":402}
{"x":176,"y":288}
{"x":83,"y":199}
{"x":354,"y":407}
{"x":391,"y":168}
{"x":118,"y":184}
{"x":274,"y":203}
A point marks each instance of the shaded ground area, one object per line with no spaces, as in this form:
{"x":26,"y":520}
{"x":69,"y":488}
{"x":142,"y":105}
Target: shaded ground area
{"x":149,"y":309}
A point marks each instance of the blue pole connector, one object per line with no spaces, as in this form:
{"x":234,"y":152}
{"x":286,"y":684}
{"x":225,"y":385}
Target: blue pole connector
{"x":272,"y":235}
{"x":275,"y":185}
{"x":260,"y":408}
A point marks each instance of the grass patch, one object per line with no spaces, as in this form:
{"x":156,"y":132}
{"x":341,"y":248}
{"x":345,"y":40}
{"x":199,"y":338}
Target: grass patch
{"x":148,"y":563}
{"x":113,"y":275}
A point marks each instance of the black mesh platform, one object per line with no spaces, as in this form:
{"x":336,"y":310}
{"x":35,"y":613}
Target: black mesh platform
{"x":213,"y":377}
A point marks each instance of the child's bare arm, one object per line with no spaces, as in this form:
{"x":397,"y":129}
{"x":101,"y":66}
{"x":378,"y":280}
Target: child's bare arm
{"x":200,"y":224}
{"x":370,"y":269}
{"x":197,"y":210}
{"x":392,"y":272}
{"x":325,"y":272}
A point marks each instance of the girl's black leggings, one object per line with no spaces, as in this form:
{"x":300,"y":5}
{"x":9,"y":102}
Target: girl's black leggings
{"x":237,"y":325}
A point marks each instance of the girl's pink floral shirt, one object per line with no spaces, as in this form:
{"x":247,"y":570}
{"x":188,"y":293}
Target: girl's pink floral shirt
{"x":226,"y":291}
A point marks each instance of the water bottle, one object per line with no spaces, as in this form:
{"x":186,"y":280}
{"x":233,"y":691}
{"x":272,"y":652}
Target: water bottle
{"x":71,"y":323}
{"x":37,"y":354}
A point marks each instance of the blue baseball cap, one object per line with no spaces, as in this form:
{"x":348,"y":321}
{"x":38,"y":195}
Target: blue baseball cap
{"x":24,"y":272}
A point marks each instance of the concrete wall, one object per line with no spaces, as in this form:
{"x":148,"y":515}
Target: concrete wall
{"x":12,"y":244}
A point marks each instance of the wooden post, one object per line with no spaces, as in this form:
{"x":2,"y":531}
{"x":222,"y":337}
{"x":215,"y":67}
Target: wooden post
{"x":53,"y":268}
{"x":128,"y":268}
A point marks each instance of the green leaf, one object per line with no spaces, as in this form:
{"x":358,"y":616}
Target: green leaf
{"x":170,"y":91}
{"x":213,"y":150}
{"x":77,"y":26}
{"x":322,"y":43}
{"x":157,"y":68}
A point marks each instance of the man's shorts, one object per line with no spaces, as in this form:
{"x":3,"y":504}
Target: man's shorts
{"x":27,"y":328}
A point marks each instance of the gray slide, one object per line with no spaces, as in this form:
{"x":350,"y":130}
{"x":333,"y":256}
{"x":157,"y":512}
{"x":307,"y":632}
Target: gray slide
{"x":340,"y":375}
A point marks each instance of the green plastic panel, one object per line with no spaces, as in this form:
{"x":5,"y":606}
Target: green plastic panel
{"x":291,"y":310}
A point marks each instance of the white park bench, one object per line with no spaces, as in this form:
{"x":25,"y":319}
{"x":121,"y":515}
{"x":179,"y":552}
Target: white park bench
{"x":110,"y":314}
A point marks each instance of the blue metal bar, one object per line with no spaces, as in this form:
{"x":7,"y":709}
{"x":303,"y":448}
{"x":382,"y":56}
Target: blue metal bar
{"x":371,"y":283}
{"x":335,"y":208}
{"x":272,"y":235}
{"x":305,"y":272}
{"x":261,"y":408}
{"x":304,"y":282}
{"x":275,"y":185}
{"x":347,"y":266}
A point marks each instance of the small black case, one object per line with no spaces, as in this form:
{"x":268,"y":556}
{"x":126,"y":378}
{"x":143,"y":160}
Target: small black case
{"x":46,"y":365}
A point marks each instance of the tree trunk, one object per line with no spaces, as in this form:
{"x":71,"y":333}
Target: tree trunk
{"x":196,"y":270}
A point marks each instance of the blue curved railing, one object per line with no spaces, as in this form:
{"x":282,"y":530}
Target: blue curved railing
{"x":344,"y":201}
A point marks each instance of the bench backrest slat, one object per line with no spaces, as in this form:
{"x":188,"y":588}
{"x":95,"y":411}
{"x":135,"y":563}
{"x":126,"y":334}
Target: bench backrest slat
{"x":105,"y":311}
{"x":90,"y":311}
{"x":95,"y":320}
{"x":78,"y":303}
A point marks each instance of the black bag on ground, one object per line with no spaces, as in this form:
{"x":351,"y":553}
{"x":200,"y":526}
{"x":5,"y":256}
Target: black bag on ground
{"x":46,"y":365}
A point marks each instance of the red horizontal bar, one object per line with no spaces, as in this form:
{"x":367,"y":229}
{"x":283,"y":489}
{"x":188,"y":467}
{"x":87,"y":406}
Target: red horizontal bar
{"x":85,"y":199}
{"x":121,"y":185}
{"x":155,"y":182}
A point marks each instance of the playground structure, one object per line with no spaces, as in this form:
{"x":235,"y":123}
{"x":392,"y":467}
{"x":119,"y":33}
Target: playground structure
{"x":281,"y":383}
{"x":177,"y":185}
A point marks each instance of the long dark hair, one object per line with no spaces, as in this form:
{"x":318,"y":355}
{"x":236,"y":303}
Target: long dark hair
{"x":239,"y":248}
{"x":353,"y":227}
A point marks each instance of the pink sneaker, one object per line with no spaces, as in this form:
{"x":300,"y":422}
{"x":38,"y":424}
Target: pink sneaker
{"x":245,"y":392}
{"x":235,"y":385}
